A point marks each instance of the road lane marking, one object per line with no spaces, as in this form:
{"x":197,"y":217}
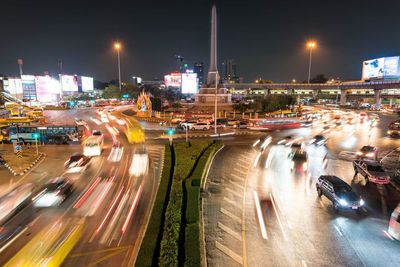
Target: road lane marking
{"x":237,"y":177}
{"x":260,"y":216}
{"x":12,"y":240}
{"x":384,"y":231}
{"x":244,"y":166}
{"x":256,"y":160}
{"x":230,"y":231}
{"x":229,"y":252}
{"x":233,"y":192}
{"x":231,"y":215}
{"x":232,"y":203}
{"x":338,"y":230}
{"x":106,"y":257}
{"x":236,"y":184}
{"x":240,"y":171}
{"x":277,"y":216}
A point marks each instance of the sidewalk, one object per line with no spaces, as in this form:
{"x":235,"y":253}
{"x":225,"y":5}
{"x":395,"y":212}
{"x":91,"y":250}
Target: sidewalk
{"x":18,"y":166}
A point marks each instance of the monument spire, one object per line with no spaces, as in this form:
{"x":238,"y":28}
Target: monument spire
{"x":213,"y":49}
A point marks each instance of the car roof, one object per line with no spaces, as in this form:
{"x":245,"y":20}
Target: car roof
{"x":334,"y":180}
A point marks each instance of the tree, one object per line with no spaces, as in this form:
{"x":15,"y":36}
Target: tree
{"x":319,"y":78}
{"x":240,"y":107}
{"x":111,"y":91}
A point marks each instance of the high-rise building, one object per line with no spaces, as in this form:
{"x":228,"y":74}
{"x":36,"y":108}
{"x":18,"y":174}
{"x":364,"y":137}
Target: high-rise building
{"x":229,"y":71}
{"x":199,"y":69}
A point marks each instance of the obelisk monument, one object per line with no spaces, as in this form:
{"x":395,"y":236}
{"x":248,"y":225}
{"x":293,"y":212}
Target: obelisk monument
{"x":213,"y":71}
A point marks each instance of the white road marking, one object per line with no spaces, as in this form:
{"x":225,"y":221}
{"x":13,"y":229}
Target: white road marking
{"x":388,"y":235}
{"x":244,"y":166}
{"x":240,"y":171}
{"x":236,"y":184}
{"x":233,"y":192}
{"x":277,"y":216}
{"x":229,"y":252}
{"x":231,"y":215}
{"x":13,"y":239}
{"x":338,"y":230}
{"x":260,"y":216}
{"x":232,"y":203}
{"x":238,"y":177}
{"x":230,"y":231}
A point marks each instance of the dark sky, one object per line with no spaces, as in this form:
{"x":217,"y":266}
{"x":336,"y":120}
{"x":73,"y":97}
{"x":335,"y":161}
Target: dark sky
{"x":266,"y":38}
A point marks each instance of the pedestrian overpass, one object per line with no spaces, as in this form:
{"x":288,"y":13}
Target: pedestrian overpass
{"x":342,"y":90}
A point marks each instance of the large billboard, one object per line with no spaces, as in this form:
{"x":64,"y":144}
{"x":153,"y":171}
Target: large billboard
{"x":380,"y":68}
{"x":87,"y":84}
{"x":173,"y":80}
{"x":47,"y":89}
{"x":28,"y":87}
{"x":189,"y":83}
{"x":14,"y":86}
{"x":69,"y":83}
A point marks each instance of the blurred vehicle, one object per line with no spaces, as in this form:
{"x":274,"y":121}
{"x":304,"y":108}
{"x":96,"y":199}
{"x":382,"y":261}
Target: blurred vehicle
{"x":93,"y":146}
{"x":232,"y":122}
{"x":242,"y":125}
{"x":80,"y":122}
{"x":219,"y":125}
{"x":371,"y":171}
{"x":223,"y":121}
{"x":298,"y":144}
{"x":140,"y":163}
{"x":318,"y":140}
{"x":394,"y":223}
{"x":116,"y":152}
{"x":97,"y":133}
{"x":104,"y":118}
{"x":77,"y":163}
{"x":53,"y":193}
{"x":285,"y":140}
{"x":46,"y":133}
{"x":200,"y":126}
{"x":99,"y":111}
{"x":177,"y":120}
{"x":299,"y":160}
{"x":370,"y":152}
{"x":262,"y":142}
{"x":186,"y":124}
{"x":13,"y":202}
{"x":363,"y":117}
{"x":394,"y":129}
{"x":339,"y":193}
{"x":337,"y":120}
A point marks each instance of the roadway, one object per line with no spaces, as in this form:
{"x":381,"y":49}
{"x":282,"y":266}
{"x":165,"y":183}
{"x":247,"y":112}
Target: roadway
{"x":114,"y":202}
{"x":258,"y":213}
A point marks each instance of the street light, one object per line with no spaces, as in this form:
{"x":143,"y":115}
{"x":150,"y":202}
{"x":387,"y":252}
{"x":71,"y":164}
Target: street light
{"x":36,"y":136}
{"x":117,"y":47}
{"x":311,"y":45}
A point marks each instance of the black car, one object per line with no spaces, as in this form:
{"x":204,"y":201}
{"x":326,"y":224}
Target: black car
{"x":77,"y":163}
{"x":318,"y":140}
{"x":368,"y":151}
{"x":54,"y":193}
{"x":339,"y":193}
{"x":299,"y":159}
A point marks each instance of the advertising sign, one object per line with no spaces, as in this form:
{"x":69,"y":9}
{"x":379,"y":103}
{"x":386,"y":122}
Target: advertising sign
{"x":385,"y":67}
{"x":47,"y":89}
{"x":173,"y":80}
{"x":87,"y":84}
{"x":69,"y":83}
{"x":28,"y":87}
{"x":189,"y":83}
{"x":14,"y":86}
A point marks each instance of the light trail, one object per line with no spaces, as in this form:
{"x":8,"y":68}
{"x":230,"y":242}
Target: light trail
{"x":256,"y":160}
{"x":260,"y":216}
{"x":109,"y":210}
{"x":277,"y":216}
{"x":133,"y":206}
{"x":87,"y":193}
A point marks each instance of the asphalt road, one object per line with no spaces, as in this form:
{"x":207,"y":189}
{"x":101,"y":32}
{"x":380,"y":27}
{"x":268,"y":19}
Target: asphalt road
{"x":115,"y":203}
{"x":257,"y":212}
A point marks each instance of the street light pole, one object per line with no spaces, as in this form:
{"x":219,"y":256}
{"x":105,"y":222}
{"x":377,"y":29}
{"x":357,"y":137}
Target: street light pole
{"x":311,"y":46}
{"x":118,"y":47}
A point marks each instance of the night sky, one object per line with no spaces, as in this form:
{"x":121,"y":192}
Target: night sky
{"x":266,"y":38}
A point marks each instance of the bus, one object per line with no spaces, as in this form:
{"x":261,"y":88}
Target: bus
{"x":277,"y":123}
{"x":51,"y":134}
{"x":394,"y":129}
{"x":93,"y":146}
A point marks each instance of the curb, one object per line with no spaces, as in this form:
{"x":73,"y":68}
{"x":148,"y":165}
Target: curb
{"x":182,"y":136}
{"x":41,"y":155}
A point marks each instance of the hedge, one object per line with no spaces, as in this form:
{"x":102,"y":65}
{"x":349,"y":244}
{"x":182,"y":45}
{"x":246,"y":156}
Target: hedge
{"x":186,"y":157}
{"x":150,"y":247}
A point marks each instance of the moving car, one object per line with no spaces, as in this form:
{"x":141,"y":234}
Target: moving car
{"x":200,"y":126}
{"x":371,"y":171}
{"x":80,"y":122}
{"x":285,"y":140}
{"x":368,"y":151}
{"x":93,"y":146}
{"x":77,"y":163}
{"x":339,"y":193}
{"x":232,"y":122}
{"x":104,"y":118}
{"x":242,"y":125}
{"x":219,"y":125}
{"x":97,"y":133}
{"x":299,"y":160}
{"x":319,"y":140}
{"x":394,"y":223}
{"x":53,"y":193}
{"x":187,"y":124}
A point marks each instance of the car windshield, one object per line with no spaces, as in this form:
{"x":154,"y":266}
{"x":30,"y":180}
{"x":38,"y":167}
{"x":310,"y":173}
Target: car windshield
{"x":300,"y":155}
{"x":367,"y":148}
{"x":343,"y":189}
{"x":375,"y":168}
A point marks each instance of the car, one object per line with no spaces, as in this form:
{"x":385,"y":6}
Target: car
{"x":104,"y":118}
{"x":219,"y":125}
{"x":80,"y":122}
{"x":177,"y":120}
{"x":222,"y":121}
{"x":285,"y":140}
{"x":77,"y":163}
{"x":318,"y":140}
{"x":299,"y":160}
{"x":53,"y":193}
{"x":339,"y":193}
{"x":368,"y":151}
{"x":370,"y":171}
{"x":200,"y":126}
{"x":232,"y":122}
{"x":242,"y":125}
{"x":186,"y":124}
{"x":97,"y":133}
{"x":394,"y":223}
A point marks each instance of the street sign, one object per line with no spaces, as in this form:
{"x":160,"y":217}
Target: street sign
{"x":18,"y":148}
{"x":18,"y":154}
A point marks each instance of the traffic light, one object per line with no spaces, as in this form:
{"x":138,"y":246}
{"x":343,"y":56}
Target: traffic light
{"x":126,"y":95}
{"x":36,"y":135}
{"x":171,"y":131}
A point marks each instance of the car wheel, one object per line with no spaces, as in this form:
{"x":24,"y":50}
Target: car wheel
{"x":319,"y":192}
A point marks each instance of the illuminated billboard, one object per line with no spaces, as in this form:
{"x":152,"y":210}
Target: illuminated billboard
{"x":14,"y":86}
{"x":69,"y":83}
{"x":378,"y":68}
{"x":28,"y":87}
{"x":173,"y":80}
{"x":189,"y":83}
{"x":47,"y":89}
{"x":87,"y":84}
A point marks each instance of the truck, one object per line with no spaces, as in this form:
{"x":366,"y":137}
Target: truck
{"x":370,"y":171}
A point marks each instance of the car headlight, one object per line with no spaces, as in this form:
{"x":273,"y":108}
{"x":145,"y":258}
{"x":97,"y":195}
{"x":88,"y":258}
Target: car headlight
{"x":359,"y":153}
{"x":389,"y":132}
{"x":369,"y":155}
{"x":362,"y":202}
{"x":343,"y":202}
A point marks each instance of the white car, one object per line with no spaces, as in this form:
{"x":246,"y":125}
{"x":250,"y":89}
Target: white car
{"x":200,"y":126}
{"x":187,"y":124}
{"x":104,"y":118}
